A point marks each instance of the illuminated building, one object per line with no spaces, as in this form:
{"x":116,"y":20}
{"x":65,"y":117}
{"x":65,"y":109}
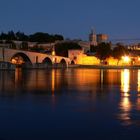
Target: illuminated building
{"x":95,"y":39}
{"x":73,"y":54}
{"x":102,"y":38}
{"x":78,"y":57}
{"x":134,"y":47}
{"x":87,"y":60}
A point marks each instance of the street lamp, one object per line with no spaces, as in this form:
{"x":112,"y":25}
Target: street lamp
{"x":126,"y":59}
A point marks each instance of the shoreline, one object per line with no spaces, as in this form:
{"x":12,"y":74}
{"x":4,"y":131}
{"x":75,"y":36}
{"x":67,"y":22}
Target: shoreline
{"x":9,"y":68}
{"x":106,"y":67}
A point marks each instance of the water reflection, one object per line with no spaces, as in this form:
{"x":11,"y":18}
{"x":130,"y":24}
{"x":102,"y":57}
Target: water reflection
{"x":125,"y":81}
{"x":125,"y":110}
{"x":85,"y":84}
{"x":138,"y":104}
{"x":125,"y":103}
{"x":94,"y":80}
{"x":18,"y":78}
{"x":6,"y":82}
{"x":138,"y":80}
{"x":84,"y":79}
{"x":53,"y":82}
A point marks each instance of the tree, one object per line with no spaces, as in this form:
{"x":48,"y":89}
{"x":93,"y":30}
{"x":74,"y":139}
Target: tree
{"x":20,"y":36}
{"x":44,"y":37}
{"x":103,"y":51}
{"x":61,"y":49}
{"x":119,"y":51}
{"x":39,"y":37}
{"x":93,"y":48}
{"x":3,"y":36}
{"x":58,"y":37}
{"x":11,"y":36}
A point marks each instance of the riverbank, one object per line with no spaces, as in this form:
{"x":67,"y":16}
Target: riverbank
{"x":105,"y":67}
{"x":9,"y":66}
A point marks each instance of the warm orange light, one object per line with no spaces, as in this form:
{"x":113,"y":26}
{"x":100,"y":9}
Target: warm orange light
{"x":14,"y":61}
{"x":17,"y":60}
{"x":53,"y":52}
{"x":126,"y":58}
{"x":53,"y":82}
{"x":53,"y":59}
{"x":87,"y":60}
{"x":125,"y":106}
{"x":125,"y":81}
{"x":138,"y":81}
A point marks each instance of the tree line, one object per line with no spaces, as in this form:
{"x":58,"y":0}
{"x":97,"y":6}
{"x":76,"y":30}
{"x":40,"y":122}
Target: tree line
{"x":62,"y":49}
{"x":101,"y":51}
{"x":39,"y":37}
{"x":105,"y":50}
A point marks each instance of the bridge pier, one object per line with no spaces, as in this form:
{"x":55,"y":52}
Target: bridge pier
{"x":41,"y":66}
{"x":7,"y":66}
{"x":10,"y":66}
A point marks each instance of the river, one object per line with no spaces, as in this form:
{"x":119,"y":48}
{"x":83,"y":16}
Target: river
{"x":74,"y":103}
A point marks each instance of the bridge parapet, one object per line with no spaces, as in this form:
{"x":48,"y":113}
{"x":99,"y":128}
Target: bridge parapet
{"x":32,"y":58}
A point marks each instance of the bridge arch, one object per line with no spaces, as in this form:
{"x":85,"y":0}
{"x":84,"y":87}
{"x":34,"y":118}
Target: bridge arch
{"x":73,"y":62}
{"x":48,"y":62}
{"x":63,"y":63}
{"x":20,"y":59}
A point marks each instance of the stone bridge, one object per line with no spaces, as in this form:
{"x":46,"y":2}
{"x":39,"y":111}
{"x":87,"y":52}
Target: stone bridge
{"x":32,"y":59}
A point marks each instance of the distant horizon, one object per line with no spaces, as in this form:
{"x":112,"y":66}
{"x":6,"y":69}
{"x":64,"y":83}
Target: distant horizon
{"x":113,"y":40}
{"x":86,"y":35}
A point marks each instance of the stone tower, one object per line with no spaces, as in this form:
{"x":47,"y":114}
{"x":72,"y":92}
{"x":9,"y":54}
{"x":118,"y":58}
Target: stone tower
{"x":93,"y":38}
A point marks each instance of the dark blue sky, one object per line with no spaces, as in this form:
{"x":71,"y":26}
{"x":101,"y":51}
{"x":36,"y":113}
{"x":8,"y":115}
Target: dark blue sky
{"x":72,"y":18}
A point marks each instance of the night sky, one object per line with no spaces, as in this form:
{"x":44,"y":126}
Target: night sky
{"x":72,"y":18}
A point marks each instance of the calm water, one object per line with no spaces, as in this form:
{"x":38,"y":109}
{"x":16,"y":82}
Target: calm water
{"x":75,"y":104}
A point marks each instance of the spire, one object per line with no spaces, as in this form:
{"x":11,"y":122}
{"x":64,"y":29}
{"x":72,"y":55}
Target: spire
{"x":93,"y":31}
{"x":93,"y":37}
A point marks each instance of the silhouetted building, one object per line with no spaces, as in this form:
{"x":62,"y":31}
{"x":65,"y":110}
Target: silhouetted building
{"x":102,"y":38}
{"x":95,"y":39}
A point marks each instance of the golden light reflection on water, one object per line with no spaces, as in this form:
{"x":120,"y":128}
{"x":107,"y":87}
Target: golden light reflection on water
{"x":80,"y":79}
{"x":18,"y":75}
{"x":125,"y":103}
{"x":138,"y":104}
{"x":58,"y":81}
{"x":84,"y":79}
{"x":138,"y":80}
{"x":125,"y":81}
{"x":53,"y":82}
{"x":125,"y":106}
{"x":102,"y":77}
{"x":18,"y":78}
